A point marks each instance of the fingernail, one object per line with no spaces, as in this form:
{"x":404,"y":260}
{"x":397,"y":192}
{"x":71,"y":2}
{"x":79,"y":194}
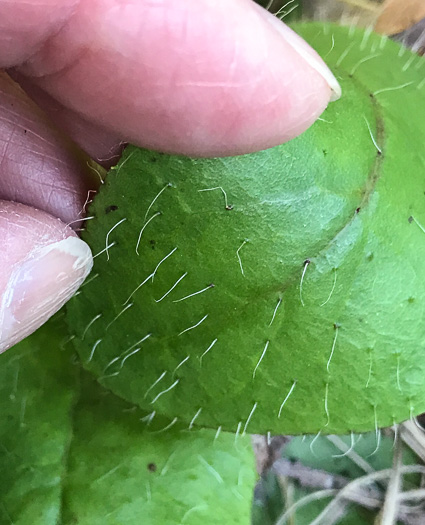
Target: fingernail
{"x":40,"y":285}
{"x":305,"y":51}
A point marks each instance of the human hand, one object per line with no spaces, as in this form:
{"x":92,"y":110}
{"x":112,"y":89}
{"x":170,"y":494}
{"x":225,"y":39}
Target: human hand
{"x":197,"y":77}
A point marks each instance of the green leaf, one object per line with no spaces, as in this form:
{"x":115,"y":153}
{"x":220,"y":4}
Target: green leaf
{"x":70,"y":452}
{"x":119,"y":473}
{"x":37,"y":392}
{"x":281,"y":291}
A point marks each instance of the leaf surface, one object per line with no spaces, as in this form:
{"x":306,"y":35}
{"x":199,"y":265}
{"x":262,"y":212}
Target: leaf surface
{"x":281,"y":291}
{"x":37,"y":393}
{"x":70,"y":452}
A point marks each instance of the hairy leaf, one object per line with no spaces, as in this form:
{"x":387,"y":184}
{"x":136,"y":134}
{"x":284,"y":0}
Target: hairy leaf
{"x":70,"y":452}
{"x":281,"y":291}
{"x":37,"y":392}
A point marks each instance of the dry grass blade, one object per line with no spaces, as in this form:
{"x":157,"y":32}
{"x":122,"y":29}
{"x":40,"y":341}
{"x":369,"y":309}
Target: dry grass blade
{"x":349,"y":452}
{"x":315,"y":496}
{"x":414,"y":438}
{"x":388,"y":515}
{"x":351,"y":490}
{"x":308,"y":477}
{"x":412,"y":495}
{"x":288,"y":489}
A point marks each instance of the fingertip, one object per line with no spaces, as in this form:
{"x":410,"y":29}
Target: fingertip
{"x":43,"y":266}
{"x":305,"y":52}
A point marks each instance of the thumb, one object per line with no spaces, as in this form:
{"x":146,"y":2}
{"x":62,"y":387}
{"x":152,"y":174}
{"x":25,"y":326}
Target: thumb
{"x":42,"y":264}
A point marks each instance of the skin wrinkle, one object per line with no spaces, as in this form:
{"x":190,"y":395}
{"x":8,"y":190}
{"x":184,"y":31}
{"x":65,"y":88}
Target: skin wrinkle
{"x":3,"y":156}
{"x":254,"y":83}
{"x":56,"y":159}
{"x":232,"y":121}
{"x":25,"y":128}
{"x":53,"y":190}
{"x":51,"y":196}
{"x":63,"y":186}
{"x":43,"y":234}
{"x":235,"y":60}
{"x":104,"y":146}
{"x":12,"y":216}
{"x":37,"y":165}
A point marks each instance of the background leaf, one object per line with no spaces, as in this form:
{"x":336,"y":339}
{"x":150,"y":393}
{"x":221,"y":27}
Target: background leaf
{"x":119,"y":473}
{"x":70,"y":452}
{"x":37,"y":393}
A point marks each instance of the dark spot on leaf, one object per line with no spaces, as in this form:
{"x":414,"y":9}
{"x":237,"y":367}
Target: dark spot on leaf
{"x":411,"y":300}
{"x":153,"y":159}
{"x":110,"y":208}
{"x":152,"y":467}
{"x":229,"y":207}
{"x":369,"y":256}
{"x":358,"y":209}
{"x":337,"y":325}
{"x":325,"y":152}
{"x":410,"y":220}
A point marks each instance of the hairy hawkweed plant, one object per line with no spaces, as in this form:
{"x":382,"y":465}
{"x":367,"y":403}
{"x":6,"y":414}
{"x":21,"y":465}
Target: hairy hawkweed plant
{"x":71,"y":452}
{"x":281,"y":291}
